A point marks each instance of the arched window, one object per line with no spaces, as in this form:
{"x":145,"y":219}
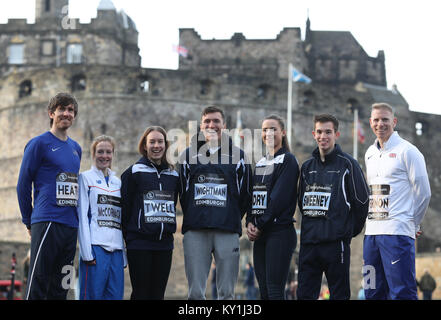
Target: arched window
{"x":78,"y":82}
{"x":25,"y":89}
{"x":309,"y":97}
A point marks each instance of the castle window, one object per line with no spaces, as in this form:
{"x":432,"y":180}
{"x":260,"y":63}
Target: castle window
{"x":308,"y":97}
{"x":74,"y":53}
{"x":205,"y":87}
{"x":419,"y":128}
{"x":16,"y":54}
{"x":47,"y":47}
{"x":262,"y":91}
{"x":144,"y":86}
{"x":78,"y":82}
{"x":47,"y":5}
{"x":25,"y":89}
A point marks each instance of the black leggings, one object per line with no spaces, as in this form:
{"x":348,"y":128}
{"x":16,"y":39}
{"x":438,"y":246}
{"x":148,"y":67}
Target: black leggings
{"x":149,"y":271}
{"x":272,"y":255}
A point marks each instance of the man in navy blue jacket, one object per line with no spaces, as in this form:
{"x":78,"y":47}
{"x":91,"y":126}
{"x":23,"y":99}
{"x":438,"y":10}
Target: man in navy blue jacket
{"x":333,"y":200}
{"x":215,"y":194}
{"x":50,"y":165}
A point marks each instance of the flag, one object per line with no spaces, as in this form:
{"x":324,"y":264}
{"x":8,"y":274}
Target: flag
{"x":297,"y":76}
{"x":238,"y":135}
{"x":360,"y":133}
{"x":182,"y":51}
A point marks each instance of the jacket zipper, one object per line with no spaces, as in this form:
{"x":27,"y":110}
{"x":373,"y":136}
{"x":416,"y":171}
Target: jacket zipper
{"x":160,"y":188}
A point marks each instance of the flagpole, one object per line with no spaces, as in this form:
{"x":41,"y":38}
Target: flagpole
{"x":355,"y":155}
{"x":289,"y":106}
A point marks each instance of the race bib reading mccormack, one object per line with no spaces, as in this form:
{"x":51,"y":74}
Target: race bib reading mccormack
{"x":379,"y":202}
{"x":210,"y":190}
{"x":67,"y":189}
{"x":109,"y":211}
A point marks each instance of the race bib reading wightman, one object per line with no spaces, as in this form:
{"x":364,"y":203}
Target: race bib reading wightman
{"x":67,"y":189}
{"x":316,"y":201}
{"x":260,"y":199}
{"x":159,"y":207}
{"x":379,"y":201}
{"x":210,"y":190}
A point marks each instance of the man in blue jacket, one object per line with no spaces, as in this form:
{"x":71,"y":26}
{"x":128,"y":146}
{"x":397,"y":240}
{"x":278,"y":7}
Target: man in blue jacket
{"x":333,"y":200}
{"x":215,"y":194}
{"x":50,"y":167}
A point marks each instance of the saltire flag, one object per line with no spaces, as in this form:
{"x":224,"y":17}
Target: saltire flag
{"x":182,"y":51}
{"x":297,"y":76}
{"x":360,"y":133}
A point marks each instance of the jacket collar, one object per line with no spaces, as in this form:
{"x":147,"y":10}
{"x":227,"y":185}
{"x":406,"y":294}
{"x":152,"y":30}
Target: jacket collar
{"x":99,"y":172}
{"x":329,"y":157}
{"x":393,"y":140}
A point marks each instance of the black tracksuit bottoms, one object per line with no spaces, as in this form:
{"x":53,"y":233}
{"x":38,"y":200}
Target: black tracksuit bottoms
{"x":272,"y":255}
{"x":331,"y":258}
{"x":51,"y":272}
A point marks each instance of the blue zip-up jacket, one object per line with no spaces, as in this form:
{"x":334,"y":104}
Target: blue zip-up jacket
{"x":215,"y":186}
{"x":51,"y":167}
{"x":333,"y":198}
{"x":274,"y":191}
{"x":148,"y":204}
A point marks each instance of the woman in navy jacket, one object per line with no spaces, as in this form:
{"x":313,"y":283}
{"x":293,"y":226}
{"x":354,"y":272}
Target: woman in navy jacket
{"x":270,"y":222}
{"x":148,"y":196}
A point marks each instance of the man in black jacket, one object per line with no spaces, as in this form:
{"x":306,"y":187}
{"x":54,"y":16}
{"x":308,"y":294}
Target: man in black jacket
{"x":333,"y":200}
{"x":215,"y":194}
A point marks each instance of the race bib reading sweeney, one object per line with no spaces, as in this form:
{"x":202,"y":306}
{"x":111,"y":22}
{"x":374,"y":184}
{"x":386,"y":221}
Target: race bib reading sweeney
{"x":379,"y":201}
{"x":260,"y":199}
{"x":66,"y":189}
{"x":316,"y":201}
{"x":109,"y":211}
{"x":211,"y":190}
{"x":159,"y":207}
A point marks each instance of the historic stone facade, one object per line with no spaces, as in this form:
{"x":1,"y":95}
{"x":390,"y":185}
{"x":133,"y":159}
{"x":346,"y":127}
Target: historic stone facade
{"x":99,"y":63}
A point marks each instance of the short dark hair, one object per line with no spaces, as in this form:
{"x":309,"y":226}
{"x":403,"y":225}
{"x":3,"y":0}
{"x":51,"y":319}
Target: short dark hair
{"x":62,"y":99}
{"x":326,"y":118}
{"x":213,"y":109}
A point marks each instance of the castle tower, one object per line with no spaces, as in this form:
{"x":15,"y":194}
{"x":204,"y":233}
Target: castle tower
{"x":50,"y":8}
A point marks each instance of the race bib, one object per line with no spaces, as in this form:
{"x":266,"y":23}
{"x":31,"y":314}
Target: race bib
{"x":109,"y":211}
{"x":316,"y":201}
{"x":66,"y":193}
{"x":210,"y":190}
{"x":159,"y":207}
{"x":260,"y":199}
{"x":379,"y":197}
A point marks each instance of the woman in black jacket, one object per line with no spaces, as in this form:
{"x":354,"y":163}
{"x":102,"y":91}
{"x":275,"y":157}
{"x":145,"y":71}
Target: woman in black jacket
{"x":270,"y":222}
{"x":148,"y":195}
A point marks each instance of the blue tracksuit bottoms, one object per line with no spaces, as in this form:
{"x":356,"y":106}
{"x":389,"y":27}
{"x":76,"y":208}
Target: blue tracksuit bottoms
{"x":389,"y":267}
{"x":105,"y":280}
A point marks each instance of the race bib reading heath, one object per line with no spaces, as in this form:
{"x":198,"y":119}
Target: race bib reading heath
{"x":67,"y":189}
{"x":379,"y":197}
{"x":210,"y":190}
{"x":159,"y":207}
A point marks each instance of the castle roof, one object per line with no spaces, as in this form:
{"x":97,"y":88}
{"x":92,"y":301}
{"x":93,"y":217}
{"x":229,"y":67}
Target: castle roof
{"x":341,"y":43}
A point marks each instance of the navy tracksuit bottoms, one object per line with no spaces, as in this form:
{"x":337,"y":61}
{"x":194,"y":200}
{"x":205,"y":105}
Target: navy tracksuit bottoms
{"x":330,"y":258}
{"x":51,"y":273}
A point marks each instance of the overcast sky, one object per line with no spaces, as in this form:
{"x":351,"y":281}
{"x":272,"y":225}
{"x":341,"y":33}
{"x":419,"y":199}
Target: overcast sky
{"x":406,"y":30}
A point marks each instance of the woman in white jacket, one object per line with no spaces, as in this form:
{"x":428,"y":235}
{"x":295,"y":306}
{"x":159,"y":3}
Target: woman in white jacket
{"x":102,"y":257}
